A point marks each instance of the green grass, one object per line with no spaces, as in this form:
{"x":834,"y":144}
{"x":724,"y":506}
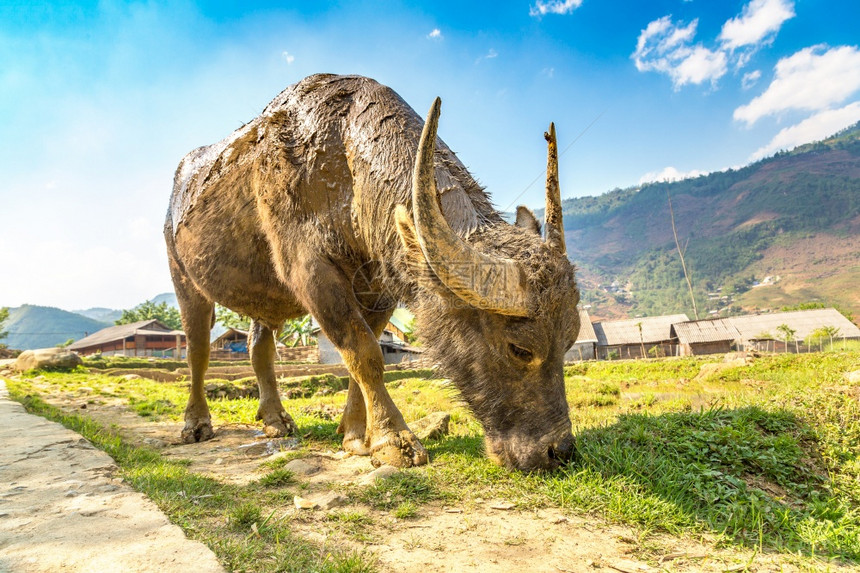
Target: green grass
{"x":764,"y":456}
{"x":277,"y":478}
{"x":413,"y":487}
{"x":218,"y":514}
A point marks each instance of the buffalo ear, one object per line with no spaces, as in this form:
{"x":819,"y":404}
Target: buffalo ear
{"x":527,"y":220}
{"x":415,"y":260}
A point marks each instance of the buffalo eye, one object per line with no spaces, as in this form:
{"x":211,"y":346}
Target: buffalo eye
{"x":521,"y":353}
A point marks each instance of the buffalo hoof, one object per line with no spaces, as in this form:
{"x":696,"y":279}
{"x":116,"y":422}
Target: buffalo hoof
{"x":279,"y":426}
{"x":197,"y":431}
{"x":355,"y":446}
{"x":398,"y":449}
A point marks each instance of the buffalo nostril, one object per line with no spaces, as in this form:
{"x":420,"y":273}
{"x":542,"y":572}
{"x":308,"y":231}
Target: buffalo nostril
{"x":563,"y":450}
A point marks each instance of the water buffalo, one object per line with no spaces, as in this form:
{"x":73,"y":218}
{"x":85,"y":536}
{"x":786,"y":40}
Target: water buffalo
{"x":327,"y":204}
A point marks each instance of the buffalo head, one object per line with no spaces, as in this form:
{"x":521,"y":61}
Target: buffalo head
{"x":497,"y":311}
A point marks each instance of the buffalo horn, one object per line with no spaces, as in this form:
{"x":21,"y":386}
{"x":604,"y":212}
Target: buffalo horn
{"x":491,"y":283}
{"x":554,"y":225}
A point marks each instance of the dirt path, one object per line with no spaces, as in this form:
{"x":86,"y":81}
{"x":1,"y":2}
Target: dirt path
{"x":61,"y":509}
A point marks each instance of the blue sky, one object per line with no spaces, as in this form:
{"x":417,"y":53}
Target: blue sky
{"x":99,"y":101}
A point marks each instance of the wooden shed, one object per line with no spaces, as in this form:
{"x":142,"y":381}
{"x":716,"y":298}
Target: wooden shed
{"x":712,"y":336}
{"x":638,"y":337}
{"x":585,"y":347}
{"x":141,"y":338}
{"x":761,"y":331}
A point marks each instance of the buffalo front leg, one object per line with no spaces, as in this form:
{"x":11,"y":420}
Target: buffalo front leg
{"x":353,"y":424}
{"x":261,"y":345}
{"x":327,"y":294}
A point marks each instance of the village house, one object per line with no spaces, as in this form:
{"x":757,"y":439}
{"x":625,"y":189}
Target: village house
{"x":762,"y":331}
{"x":585,"y":347}
{"x":232,"y":344}
{"x":637,"y":337}
{"x":141,"y":338}
{"x":712,"y":336}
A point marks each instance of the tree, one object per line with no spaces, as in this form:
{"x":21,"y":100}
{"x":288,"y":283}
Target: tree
{"x":786,"y":332}
{"x":4,"y":316}
{"x":820,"y":334}
{"x":168,"y":315}
{"x":296,"y":332}
{"x":231,"y":319}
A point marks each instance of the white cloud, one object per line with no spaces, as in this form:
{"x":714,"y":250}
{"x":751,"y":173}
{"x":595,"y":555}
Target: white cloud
{"x":542,"y":8}
{"x":492,"y":53}
{"x":669,"y":174}
{"x":815,"y":128}
{"x":812,"y":79}
{"x":665,"y":47}
{"x":750,"y":79}
{"x":289,"y":58}
{"x":759,"y":23}
{"x":548,"y":72}
{"x":435,"y":34}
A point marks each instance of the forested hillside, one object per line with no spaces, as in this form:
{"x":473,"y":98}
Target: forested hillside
{"x":784,"y":230}
{"x":32,"y":326}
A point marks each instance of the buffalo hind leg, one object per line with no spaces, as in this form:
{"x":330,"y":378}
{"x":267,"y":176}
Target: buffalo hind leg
{"x":353,"y":424}
{"x":197,"y":317}
{"x":328,"y":295}
{"x":261,"y":345}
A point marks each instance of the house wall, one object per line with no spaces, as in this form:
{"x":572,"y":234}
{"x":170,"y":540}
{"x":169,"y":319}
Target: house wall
{"x":328,"y":353}
{"x":632,"y":351}
{"x":702,"y":348}
{"x":581,"y":351}
{"x":302,"y":354}
{"x":140,"y":346}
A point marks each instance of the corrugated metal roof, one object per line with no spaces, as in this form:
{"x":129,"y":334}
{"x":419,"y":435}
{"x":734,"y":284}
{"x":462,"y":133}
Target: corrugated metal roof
{"x":712,"y":330}
{"x":804,"y":322}
{"x":654,"y":329}
{"x":586,"y":328}
{"x":120,"y":331}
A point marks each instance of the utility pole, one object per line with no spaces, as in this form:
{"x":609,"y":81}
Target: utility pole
{"x":681,"y":254}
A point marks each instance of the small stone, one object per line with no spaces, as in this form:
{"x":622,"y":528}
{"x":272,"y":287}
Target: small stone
{"x":84,"y":406}
{"x":132,"y":377}
{"x":453,"y":510}
{"x":328,"y":500}
{"x":431,"y":427}
{"x":379,"y":473}
{"x":502,"y":505}
{"x":301,"y":467}
{"x":558,"y":519}
{"x":853,"y":377}
{"x":219,"y":461}
{"x":302,"y":503}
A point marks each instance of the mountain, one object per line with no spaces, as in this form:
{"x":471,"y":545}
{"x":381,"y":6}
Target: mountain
{"x":101,"y":314}
{"x":168,"y":297}
{"x":32,"y":326}
{"x":781,"y":231}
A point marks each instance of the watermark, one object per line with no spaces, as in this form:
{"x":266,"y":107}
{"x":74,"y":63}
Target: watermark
{"x":459,"y":285}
